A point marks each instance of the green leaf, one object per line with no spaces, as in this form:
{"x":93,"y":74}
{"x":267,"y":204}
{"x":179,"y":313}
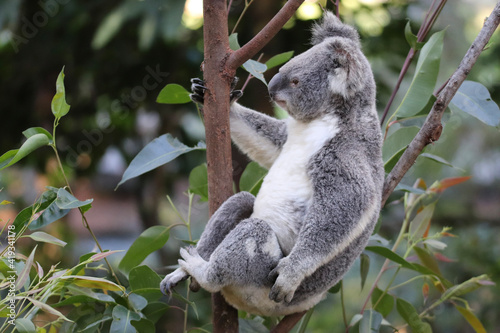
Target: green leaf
{"x":421,"y":221}
{"x":398,"y":141}
{"x":385,"y":252}
{"x":427,"y":260}
{"x":24,"y":325}
{"x":409,"y":189}
{"x":382,"y":305}
{"x":47,"y":308}
{"x":256,"y":68}
{"x":371,"y":321}
{"x":173,"y":94}
{"x":92,"y":282}
{"x":24,"y":275}
{"x":364,"y":268}
{"x":24,"y":216}
{"x":252,"y":178}
{"x":410,"y":315}
{"x":144,"y":325}
{"x":155,"y":310}
{"x":255,"y":325}
{"x":411,"y":38}
{"x":156,"y":153}
{"x":467,"y":287}
{"x":471,"y":319}
{"x":113,"y":23}
{"x":49,"y":215}
{"x":152,"y":239}
{"x":279,"y":59}
{"x":424,"y":80}
{"x":122,"y":318}
{"x":336,"y":288}
{"x":31,"y":144}
{"x":59,"y":106}
{"x":440,"y":160}
{"x":233,"y":42}
{"x":143,"y":277}
{"x":66,"y":200}
{"x":41,"y":236}
{"x":474,"y":99}
{"x":198,"y":181}
{"x":37,"y":130}
{"x":137,"y":302}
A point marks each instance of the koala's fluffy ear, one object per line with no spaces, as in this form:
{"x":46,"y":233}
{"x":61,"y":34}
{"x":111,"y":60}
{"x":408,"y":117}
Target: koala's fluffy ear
{"x":331,"y":26}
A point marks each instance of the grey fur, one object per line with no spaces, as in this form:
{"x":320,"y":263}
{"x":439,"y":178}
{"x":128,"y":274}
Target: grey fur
{"x":280,"y":252}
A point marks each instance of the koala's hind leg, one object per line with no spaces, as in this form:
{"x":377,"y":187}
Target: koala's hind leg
{"x":230,"y":213}
{"x":244,"y":258}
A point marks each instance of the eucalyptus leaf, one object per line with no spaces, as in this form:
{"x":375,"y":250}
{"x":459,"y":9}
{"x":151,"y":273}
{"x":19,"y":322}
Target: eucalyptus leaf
{"x":40,"y":236}
{"x":144,"y":325}
{"x":411,"y":38}
{"x":31,"y":144}
{"x":471,"y":319}
{"x":424,"y":80}
{"x":256,"y":68}
{"x":59,"y":106}
{"x":51,"y":214}
{"x":371,"y":321}
{"x":24,"y":325}
{"x":156,"y":153}
{"x":122,"y":318}
{"x":152,"y":239}
{"x":279,"y":59}
{"x":37,"y":130}
{"x":198,"y":181}
{"x":383,"y":303}
{"x":173,"y":94}
{"x":252,"y":178}
{"x":66,"y":200}
{"x":410,"y":315}
{"x":474,"y":99}
{"x":233,"y":42}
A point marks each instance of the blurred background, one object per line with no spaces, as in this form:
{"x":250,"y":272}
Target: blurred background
{"x":119,"y":54}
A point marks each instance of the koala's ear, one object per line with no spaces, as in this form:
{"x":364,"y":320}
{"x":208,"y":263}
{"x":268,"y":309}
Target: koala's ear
{"x":331,"y":26}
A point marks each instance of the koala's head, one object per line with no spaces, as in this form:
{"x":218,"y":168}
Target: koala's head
{"x":334,"y":67}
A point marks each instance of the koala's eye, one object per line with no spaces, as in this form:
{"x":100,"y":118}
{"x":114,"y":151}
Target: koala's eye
{"x":294,"y":82}
{"x":336,"y":64}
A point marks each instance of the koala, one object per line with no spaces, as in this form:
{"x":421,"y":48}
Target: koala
{"x":279,"y":252}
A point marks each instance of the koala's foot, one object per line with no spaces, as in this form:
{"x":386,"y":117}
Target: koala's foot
{"x":195,"y":266}
{"x":286,"y":282}
{"x":171,"y":280}
{"x":198,"y":91}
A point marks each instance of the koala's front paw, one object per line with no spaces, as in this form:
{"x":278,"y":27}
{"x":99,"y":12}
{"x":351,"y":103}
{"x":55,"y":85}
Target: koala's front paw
{"x":286,"y":282}
{"x":198,"y":90}
{"x":171,"y":280}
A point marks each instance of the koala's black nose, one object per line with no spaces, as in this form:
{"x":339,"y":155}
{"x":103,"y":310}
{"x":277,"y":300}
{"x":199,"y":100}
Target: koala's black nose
{"x":274,"y":84}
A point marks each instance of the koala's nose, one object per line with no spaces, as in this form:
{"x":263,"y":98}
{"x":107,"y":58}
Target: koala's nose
{"x":273,"y":85}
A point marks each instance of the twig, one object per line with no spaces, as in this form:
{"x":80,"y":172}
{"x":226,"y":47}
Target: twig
{"x":288,"y":322}
{"x":247,"y":51}
{"x":421,"y":35}
{"x":432,"y":128}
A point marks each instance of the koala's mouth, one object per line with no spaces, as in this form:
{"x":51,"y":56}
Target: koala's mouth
{"x":281,"y":103}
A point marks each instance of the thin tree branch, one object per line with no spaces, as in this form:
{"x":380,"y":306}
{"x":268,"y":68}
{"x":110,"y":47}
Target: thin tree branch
{"x":432,"y":128}
{"x":421,"y":35}
{"x":288,"y":322}
{"x":251,"y":48}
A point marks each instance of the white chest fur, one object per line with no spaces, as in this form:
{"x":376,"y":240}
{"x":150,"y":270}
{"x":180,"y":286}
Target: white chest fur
{"x":286,"y":192}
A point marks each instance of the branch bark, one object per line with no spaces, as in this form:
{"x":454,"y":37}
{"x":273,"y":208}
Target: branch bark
{"x":219,"y":68}
{"x":432,"y":128}
{"x":251,"y":48}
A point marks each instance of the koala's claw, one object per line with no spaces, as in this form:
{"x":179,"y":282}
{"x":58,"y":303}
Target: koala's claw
{"x":198,"y":88}
{"x":171,"y":280}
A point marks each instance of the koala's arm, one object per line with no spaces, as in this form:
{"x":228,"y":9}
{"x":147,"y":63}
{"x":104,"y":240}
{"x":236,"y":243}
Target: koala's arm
{"x":259,"y":136}
{"x":344,"y":210}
